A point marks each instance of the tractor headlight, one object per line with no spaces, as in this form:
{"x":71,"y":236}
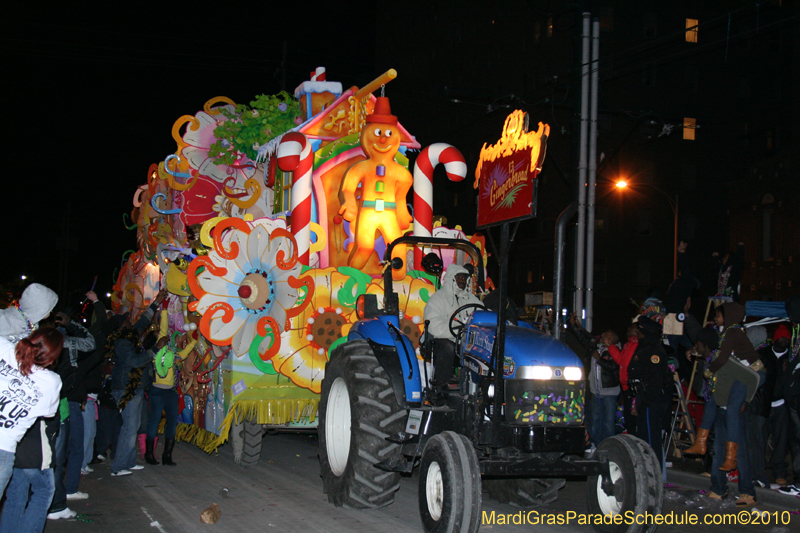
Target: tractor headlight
{"x":540,"y":372}
{"x":573,"y":373}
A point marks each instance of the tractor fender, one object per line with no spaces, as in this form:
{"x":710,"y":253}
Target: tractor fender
{"x":395,"y":353}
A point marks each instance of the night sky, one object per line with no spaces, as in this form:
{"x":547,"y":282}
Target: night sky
{"x":91,"y":96}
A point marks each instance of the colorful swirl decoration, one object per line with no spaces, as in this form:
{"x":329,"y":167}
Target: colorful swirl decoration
{"x":249,"y":287}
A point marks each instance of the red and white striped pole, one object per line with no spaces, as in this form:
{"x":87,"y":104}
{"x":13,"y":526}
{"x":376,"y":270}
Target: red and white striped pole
{"x":294,"y":155}
{"x":318,"y":75}
{"x":456,"y":168}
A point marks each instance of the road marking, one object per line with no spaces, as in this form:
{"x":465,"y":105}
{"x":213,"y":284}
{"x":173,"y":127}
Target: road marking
{"x":153,"y":523}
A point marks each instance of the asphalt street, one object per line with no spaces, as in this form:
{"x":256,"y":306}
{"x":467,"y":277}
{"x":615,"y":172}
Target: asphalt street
{"x":283,"y":492}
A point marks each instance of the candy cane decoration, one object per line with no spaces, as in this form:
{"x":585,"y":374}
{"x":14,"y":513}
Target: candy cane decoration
{"x":294,"y":155}
{"x":456,"y":168}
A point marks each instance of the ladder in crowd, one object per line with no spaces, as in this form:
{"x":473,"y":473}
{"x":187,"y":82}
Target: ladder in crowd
{"x":682,"y":431}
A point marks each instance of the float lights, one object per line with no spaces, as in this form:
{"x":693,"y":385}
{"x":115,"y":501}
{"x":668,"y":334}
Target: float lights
{"x":24,"y":276}
{"x":108,"y":295}
{"x":621,"y":184}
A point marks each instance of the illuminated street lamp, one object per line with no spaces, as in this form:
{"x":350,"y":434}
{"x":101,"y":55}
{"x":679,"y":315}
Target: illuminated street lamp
{"x":24,"y":276}
{"x":622,"y":184}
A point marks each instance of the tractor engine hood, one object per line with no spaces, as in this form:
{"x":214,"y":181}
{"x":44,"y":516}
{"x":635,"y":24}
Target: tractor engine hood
{"x":525,"y":348}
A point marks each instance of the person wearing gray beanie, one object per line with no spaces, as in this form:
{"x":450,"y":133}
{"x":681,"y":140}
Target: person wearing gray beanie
{"x":757,"y":335}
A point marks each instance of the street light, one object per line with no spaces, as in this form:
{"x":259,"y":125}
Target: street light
{"x":622,"y":184}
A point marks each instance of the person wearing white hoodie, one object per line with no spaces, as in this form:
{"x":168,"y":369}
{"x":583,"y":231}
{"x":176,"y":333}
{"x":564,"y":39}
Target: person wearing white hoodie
{"x":28,"y":390}
{"x":35,"y":304}
{"x":440,"y":307}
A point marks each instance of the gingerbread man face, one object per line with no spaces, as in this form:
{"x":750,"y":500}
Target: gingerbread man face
{"x":380,"y":141}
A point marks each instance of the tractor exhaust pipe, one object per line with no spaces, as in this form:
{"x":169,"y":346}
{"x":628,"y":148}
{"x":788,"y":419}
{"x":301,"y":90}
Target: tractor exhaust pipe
{"x":558,"y":267}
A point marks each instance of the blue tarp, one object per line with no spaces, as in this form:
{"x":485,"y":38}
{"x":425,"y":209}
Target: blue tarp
{"x":757,"y":308}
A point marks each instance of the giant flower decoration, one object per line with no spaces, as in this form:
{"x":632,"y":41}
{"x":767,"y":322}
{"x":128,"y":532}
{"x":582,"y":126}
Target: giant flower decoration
{"x":198,"y":138}
{"x":323,"y":325}
{"x":249,"y":286}
{"x":239,"y":184}
{"x":320,"y":327}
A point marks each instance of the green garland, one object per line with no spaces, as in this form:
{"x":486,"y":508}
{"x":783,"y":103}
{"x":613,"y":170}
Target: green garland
{"x":252,"y":126}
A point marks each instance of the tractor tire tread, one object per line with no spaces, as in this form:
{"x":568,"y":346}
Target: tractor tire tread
{"x":374,"y":417}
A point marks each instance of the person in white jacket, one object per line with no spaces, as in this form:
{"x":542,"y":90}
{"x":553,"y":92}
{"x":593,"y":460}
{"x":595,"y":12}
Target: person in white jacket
{"x":28,"y":390}
{"x":440,"y":307}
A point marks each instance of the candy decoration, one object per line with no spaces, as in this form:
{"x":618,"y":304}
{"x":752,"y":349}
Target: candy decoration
{"x":456,"y":168}
{"x":318,"y":74}
{"x":294,"y":155}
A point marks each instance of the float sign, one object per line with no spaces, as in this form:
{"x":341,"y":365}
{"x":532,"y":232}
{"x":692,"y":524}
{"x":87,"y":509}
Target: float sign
{"x":506,"y":173}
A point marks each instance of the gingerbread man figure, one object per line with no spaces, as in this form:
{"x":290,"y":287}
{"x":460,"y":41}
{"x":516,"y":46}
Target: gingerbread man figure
{"x":384,"y":186}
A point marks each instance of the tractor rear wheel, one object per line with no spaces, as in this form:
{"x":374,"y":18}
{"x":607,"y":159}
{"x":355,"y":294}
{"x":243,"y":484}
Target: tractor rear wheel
{"x":358,"y":411}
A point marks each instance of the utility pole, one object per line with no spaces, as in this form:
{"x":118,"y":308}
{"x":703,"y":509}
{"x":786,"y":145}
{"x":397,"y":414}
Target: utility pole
{"x":580,"y":247}
{"x":592,"y":188}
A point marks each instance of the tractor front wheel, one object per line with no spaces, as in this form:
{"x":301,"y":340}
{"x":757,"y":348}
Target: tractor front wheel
{"x":449,"y":485}
{"x":638,"y":487}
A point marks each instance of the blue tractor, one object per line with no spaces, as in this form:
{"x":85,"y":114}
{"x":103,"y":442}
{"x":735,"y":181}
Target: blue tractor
{"x":516,"y":436}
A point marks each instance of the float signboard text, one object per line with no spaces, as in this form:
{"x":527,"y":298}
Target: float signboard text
{"x":506,"y":173}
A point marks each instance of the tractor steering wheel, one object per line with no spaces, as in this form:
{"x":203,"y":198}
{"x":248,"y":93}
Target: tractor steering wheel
{"x":456,"y":326}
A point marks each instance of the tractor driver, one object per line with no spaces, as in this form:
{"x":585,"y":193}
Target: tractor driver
{"x":440,"y":307}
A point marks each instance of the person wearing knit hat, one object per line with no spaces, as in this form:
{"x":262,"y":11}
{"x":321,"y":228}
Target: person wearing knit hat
{"x":782,"y":333}
{"x":19,"y":321}
{"x":757,"y":336}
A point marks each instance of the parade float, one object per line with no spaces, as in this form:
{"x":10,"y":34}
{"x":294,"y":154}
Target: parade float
{"x":266,"y":224}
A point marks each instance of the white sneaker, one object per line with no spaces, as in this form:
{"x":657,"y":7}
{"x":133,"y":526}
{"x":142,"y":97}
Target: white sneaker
{"x":77,"y":496}
{"x":88,"y":469}
{"x":101,"y":456}
{"x":774,"y":486}
{"x":64,"y":513}
{"x":136,"y":467}
{"x":791,"y":490}
{"x":121,"y":473}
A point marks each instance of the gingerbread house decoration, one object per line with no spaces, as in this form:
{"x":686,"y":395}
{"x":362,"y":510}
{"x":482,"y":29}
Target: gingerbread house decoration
{"x":314,"y":95}
{"x":333,"y":123}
